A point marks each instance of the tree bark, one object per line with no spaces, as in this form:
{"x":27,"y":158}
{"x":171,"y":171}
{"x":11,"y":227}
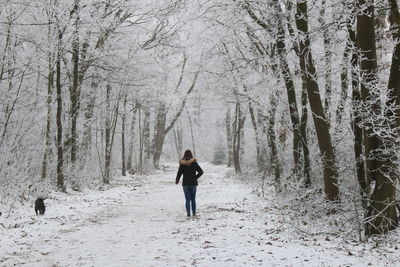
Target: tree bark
{"x":382,"y":210}
{"x":50,"y":84}
{"x":146,"y":138}
{"x":159,"y":134}
{"x":87,"y":125}
{"x":328,"y":61}
{"x":356,"y":116}
{"x":321,"y":126}
{"x":60,"y":158}
{"x":236,"y":139}
{"x":303,"y":131}
{"x":107,"y":155}
{"x":257,"y":136}
{"x":368,"y":71}
{"x":123,"y":167}
{"x":131,"y":139}
{"x":274,"y":159}
{"x":74,"y":90}
{"x":344,"y":85}
{"x":229,"y":140}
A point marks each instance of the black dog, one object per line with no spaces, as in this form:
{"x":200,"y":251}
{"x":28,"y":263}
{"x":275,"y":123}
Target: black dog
{"x":40,"y":208}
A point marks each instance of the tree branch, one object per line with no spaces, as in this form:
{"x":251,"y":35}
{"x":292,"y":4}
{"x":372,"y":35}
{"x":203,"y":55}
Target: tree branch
{"x":178,"y":114}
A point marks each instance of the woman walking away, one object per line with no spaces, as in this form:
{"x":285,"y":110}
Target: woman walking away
{"x":191,"y":172}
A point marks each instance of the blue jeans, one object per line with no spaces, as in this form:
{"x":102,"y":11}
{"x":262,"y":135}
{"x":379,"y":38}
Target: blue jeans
{"x":190,"y":196}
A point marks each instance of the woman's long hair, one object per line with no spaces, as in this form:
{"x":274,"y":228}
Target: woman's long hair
{"x":187,"y":155}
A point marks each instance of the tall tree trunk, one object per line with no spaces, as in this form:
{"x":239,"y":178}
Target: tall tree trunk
{"x":303,"y":130}
{"x":229,"y":140}
{"x":236,"y":139}
{"x":344,"y":85}
{"x":74,"y":90}
{"x":257,"y":136}
{"x":141,"y":134}
{"x":382,"y":210}
{"x":328,"y":60}
{"x":48,"y":120}
{"x":290,"y":91}
{"x":368,"y":68}
{"x":274,"y":159}
{"x":87,"y":125}
{"x":241,"y":133}
{"x":107,"y":130}
{"x":131,"y":139}
{"x":146,"y":138}
{"x":123,"y":167}
{"x":321,"y":126}
{"x":159,"y":134}
{"x":60,"y":159}
{"x":356,"y":115}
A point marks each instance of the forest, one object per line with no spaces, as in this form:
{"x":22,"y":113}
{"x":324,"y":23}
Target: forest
{"x":301,"y":96}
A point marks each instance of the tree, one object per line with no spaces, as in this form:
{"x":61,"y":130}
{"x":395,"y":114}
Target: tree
{"x":321,"y":125}
{"x":382,"y":210}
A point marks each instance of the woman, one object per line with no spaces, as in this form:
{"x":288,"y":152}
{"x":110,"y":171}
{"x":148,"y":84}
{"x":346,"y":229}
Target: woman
{"x":191,"y":172}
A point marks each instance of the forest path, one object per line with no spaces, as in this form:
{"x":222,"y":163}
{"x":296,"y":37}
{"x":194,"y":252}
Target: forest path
{"x":143,"y":223}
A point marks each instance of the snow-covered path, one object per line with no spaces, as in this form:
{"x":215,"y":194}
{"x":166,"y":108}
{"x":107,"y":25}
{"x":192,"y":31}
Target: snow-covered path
{"x":143,"y":223}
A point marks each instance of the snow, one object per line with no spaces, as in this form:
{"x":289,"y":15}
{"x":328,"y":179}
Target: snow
{"x":141,"y":221}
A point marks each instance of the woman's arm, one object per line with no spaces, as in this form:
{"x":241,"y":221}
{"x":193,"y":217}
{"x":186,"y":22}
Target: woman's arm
{"x":199,"y":171}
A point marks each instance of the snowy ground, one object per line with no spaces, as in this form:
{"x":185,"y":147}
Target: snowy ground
{"x":141,"y":222}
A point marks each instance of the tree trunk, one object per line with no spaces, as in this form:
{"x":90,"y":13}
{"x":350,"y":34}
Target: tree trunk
{"x":60,"y":159}
{"x":48,"y":120}
{"x":159,"y":134}
{"x":328,"y":61}
{"x":141,"y":134}
{"x":229,"y":140}
{"x":290,"y":91}
{"x":356,"y":116}
{"x":368,"y":68}
{"x":303,"y":131}
{"x":321,"y":126}
{"x":236,"y":139}
{"x":146,"y":138}
{"x":74,"y":90}
{"x":257,"y":136}
{"x":131,"y":139}
{"x":107,"y":155}
{"x":123,"y":167}
{"x":274,"y":159}
{"x":382,"y":210}
{"x":87,"y":125}
{"x":344,"y":85}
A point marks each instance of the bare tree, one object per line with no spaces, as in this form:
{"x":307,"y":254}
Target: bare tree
{"x":320,"y":122}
